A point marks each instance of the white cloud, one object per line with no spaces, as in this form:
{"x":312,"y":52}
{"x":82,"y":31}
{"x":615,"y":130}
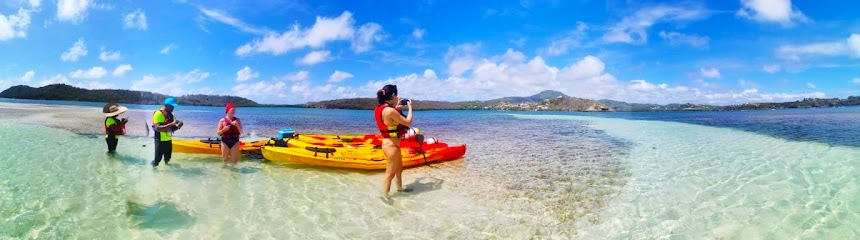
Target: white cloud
{"x":315,"y":57}
{"x":246,"y":74}
{"x":771,"y":68}
{"x":339,"y":76}
{"x":15,"y":25}
{"x":633,"y":28}
{"x":677,"y":39}
{"x":72,"y":10}
{"x":323,"y":31}
{"x":136,"y":19}
{"x":229,"y":20}
{"x":771,"y":11}
{"x":418,"y":33}
{"x":35,"y":3}
{"x":168,"y":48}
{"x":810,"y":85}
{"x":121,"y":70}
{"x":571,"y":40}
{"x":461,"y":58}
{"x":365,"y":37}
{"x":28,"y":76}
{"x":856,"y":80}
{"x":95,"y":85}
{"x":79,"y":49}
{"x":710,"y":73}
{"x":173,"y":85}
{"x":92,"y":73}
{"x":850,"y":47}
{"x":641,"y":85}
{"x":297,"y":76}
{"x":110,"y":56}
{"x":59,"y":78}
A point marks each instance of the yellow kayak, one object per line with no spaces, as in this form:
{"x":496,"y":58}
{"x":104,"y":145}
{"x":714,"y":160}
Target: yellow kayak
{"x":321,"y":152}
{"x":212,"y":146}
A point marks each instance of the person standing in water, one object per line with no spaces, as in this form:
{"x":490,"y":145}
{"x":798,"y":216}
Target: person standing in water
{"x":229,"y":128}
{"x":392,"y":125}
{"x":164,"y":125}
{"x":114,"y":127}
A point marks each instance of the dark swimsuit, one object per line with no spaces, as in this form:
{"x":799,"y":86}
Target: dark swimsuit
{"x":231,"y":137}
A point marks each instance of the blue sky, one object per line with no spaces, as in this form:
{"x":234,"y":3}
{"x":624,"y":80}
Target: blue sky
{"x":281,"y":51}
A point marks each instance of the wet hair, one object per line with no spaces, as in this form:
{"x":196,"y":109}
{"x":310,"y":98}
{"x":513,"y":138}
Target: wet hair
{"x":384,"y":94}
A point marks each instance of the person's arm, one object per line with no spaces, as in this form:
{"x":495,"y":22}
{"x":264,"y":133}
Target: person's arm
{"x":394,"y":115}
{"x":161,"y":127}
{"x":238,"y":124}
{"x":222,"y":127}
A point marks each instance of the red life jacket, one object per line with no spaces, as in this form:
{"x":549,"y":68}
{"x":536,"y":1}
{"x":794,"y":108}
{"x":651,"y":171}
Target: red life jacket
{"x":385,"y":129}
{"x":232,"y":133}
{"x":115,"y":129}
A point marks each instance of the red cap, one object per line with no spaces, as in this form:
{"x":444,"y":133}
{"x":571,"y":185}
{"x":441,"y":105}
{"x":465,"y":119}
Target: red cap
{"x":229,"y":106}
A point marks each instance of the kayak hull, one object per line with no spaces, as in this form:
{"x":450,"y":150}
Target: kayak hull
{"x":204,"y":147}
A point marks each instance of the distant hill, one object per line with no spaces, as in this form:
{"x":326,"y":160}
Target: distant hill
{"x":546,"y":100}
{"x":69,"y":93}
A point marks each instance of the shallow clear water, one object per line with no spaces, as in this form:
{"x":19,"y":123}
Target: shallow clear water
{"x":525,"y":175}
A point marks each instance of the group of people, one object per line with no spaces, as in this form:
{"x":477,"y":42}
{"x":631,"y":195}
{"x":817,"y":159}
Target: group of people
{"x":390,"y":120}
{"x":164,"y":124}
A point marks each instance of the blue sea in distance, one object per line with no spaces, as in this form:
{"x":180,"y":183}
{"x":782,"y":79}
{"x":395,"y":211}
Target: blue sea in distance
{"x":740,"y":174}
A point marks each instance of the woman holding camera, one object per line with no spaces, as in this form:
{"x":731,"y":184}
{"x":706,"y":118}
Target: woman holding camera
{"x":229,"y":128}
{"x":391,"y":124}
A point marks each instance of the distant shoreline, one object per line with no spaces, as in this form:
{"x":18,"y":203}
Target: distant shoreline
{"x":544,"y":101}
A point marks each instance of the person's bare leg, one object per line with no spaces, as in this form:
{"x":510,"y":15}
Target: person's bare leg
{"x":234,"y":153}
{"x":224,"y":153}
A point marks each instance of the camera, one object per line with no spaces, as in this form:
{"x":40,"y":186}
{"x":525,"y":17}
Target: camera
{"x":404,"y":101}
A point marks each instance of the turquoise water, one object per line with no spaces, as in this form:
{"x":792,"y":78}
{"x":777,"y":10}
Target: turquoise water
{"x":525,"y":175}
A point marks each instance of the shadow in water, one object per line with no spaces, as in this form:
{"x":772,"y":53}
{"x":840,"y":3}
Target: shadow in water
{"x":187,"y":172}
{"x":245,"y":170}
{"x":127,"y":159}
{"x":165,"y":216}
{"x":424,"y":184}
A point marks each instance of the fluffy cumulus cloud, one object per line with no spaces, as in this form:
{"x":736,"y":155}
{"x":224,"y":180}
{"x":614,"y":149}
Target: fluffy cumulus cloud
{"x":120,"y":70}
{"x":72,"y":10}
{"x":106,"y":56}
{"x":365,"y":37}
{"x":246,"y":74}
{"x":339,"y":76}
{"x":35,"y":3}
{"x":79,"y":49}
{"x":135,"y":20}
{"x":514,"y":74}
{"x":173,"y":85}
{"x":28,"y":76}
{"x":92,"y":73}
{"x":59,"y":78}
{"x":295,"y":87}
{"x":848,"y":47}
{"x":771,"y":11}
{"x":678,"y":39}
{"x":710,"y":73}
{"x":315,"y":57}
{"x":633,"y":29}
{"x":14,"y":25}
{"x":324,"y":30}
